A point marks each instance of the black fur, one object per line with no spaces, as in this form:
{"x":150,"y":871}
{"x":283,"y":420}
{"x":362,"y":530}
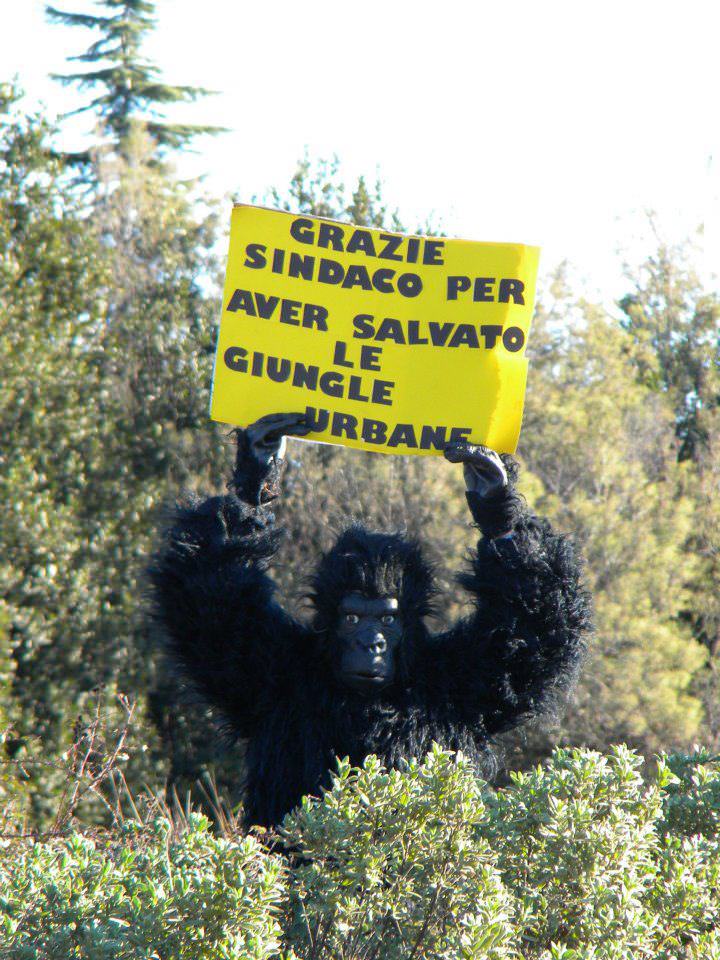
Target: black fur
{"x":271,"y":677}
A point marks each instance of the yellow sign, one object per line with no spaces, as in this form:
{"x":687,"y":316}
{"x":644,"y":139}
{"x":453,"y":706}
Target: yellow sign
{"x":387,"y":342}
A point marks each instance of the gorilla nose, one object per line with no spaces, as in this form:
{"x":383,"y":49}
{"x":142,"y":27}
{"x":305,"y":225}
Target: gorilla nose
{"x":376,"y":644}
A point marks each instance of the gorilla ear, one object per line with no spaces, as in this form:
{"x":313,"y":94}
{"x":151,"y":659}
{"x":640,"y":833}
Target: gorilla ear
{"x":418,"y":587}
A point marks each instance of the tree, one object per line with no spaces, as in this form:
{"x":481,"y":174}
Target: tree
{"x":674,"y":322}
{"x":600,"y":446}
{"x":155,"y":366}
{"x":49,"y":274}
{"x":130,"y":88}
{"x":317,"y":188}
{"x":106,"y":349}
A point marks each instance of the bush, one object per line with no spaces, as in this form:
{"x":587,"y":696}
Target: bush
{"x":395,"y":864}
{"x":581,"y":859}
{"x":143,"y":893}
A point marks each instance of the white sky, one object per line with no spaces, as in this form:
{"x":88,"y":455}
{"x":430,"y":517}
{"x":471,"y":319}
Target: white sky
{"x":556,"y":123}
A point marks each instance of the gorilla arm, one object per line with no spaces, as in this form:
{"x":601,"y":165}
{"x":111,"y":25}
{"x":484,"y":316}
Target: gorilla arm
{"x":525,"y":640}
{"x":213,"y":596}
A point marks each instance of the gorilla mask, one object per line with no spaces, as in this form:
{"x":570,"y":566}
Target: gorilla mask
{"x":371,"y":593}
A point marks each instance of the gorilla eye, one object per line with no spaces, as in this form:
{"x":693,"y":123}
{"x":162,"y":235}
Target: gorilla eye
{"x":352,"y":618}
{"x":388,"y":618}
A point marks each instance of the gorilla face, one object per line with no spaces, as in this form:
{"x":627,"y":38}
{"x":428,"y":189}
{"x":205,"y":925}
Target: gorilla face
{"x":369,"y":634}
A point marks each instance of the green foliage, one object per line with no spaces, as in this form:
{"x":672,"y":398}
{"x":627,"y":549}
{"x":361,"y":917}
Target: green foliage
{"x":130,"y":89}
{"x":577,"y":843}
{"x":48,"y":277}
{"x":692,"y":799}
{"x":395,"y":863}
{"x":581,"y":858}
{"x":145,"y":892}
{"x":317,"y":188}
{"x":599,"y":445}
{"x":675,"y":324}
{"x":105,"y":356}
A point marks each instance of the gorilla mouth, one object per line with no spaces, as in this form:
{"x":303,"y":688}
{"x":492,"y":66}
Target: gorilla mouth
{"x":367,"y":677}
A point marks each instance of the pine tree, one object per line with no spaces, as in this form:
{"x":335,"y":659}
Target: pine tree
{"x":127,"y":85}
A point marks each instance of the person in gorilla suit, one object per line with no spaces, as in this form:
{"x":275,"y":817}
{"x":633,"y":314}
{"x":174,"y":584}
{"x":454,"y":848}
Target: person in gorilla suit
{"x":365,"y":675}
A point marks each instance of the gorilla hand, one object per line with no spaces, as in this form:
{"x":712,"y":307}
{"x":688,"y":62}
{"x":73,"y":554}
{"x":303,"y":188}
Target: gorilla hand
{"x":267,"y":436}
{"x":489,"y":491}
{"x":260,"y":452}
{"x":484,"y":471}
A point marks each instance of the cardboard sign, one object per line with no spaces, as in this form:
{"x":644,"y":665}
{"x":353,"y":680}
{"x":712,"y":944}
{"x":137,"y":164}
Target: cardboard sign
{"x":387,"y":342}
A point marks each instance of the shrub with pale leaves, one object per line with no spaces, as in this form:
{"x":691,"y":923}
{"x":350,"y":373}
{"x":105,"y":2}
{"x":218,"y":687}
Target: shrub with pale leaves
{"x":580,"y":859}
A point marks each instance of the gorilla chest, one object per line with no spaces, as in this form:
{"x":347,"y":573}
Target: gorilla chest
{"x":314,"y":736}
{"x":294,"y":752}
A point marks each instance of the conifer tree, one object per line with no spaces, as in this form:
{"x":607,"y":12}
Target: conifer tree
{"x":127,"y":86}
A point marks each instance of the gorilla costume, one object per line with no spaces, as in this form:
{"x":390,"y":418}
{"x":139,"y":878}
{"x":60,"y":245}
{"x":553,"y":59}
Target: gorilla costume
{"x":366,"y":675}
